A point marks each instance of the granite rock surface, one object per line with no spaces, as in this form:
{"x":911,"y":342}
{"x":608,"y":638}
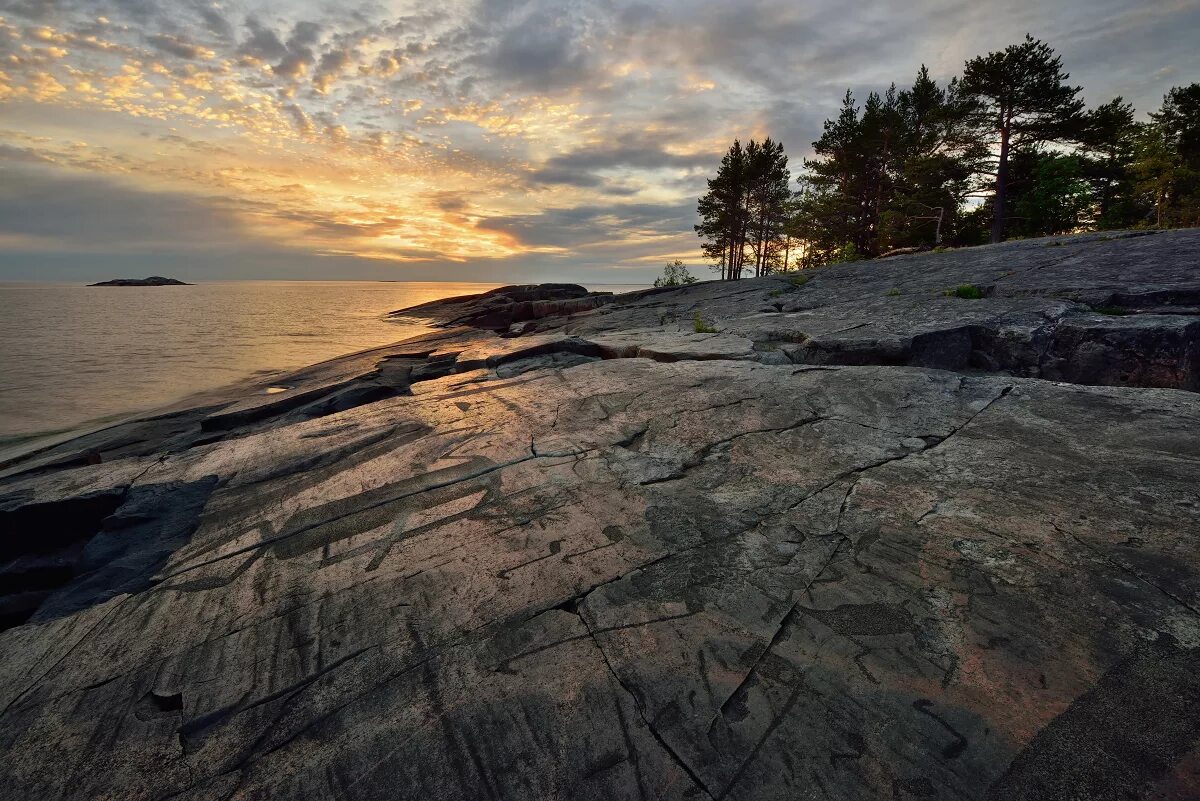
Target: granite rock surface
{"x":865,"y":541}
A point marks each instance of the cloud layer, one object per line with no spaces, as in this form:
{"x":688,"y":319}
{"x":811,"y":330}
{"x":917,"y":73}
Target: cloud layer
{"x":502,"y":139}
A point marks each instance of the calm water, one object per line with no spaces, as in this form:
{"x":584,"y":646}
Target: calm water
{"x":72,"y":355}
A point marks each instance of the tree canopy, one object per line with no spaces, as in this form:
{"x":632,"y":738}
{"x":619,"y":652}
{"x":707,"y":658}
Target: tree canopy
{"x":1007,"y":149}
{"x":744,"y":213}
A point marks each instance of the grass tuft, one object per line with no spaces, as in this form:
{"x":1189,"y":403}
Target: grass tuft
{"x":701,"y":326}
{"x":964,"y":291}
{"x":893,"y":292}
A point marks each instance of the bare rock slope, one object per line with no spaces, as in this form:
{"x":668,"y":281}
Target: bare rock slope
{"x":866,"y":541}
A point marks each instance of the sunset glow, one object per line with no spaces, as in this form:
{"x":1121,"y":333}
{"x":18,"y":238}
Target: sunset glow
{"x":456,"y":140}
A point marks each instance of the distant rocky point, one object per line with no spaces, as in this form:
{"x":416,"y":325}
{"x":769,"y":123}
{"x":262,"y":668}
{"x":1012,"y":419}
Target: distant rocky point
{"x":501,"y":308}
{"x":154,"y":280}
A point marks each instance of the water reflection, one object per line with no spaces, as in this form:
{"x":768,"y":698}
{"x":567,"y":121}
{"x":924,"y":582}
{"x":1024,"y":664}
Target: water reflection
{"x":70,"y":354}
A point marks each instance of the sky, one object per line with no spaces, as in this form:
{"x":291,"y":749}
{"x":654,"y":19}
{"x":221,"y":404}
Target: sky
{"x":502,"y":140}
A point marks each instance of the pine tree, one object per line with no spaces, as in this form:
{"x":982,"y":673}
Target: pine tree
{"x":935,"y":162}
{"x":768,"y":194}
{"x":893,"y":176}
{"x":723,"y":211}
{"x":1107,"y":149}
{"x":744,"y":211}
{"x":1173,"y":149}
{"x":1022,"y":101}
{"x":831,"y":212}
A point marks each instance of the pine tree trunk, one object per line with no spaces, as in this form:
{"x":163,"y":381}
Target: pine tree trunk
{"x":760,"y":264}
{"x":1001,"y":190}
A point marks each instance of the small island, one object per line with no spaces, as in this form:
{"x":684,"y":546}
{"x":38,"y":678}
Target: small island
{"x":154,"y":280}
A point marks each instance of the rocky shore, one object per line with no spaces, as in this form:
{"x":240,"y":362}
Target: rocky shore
{"x":920,"y":528}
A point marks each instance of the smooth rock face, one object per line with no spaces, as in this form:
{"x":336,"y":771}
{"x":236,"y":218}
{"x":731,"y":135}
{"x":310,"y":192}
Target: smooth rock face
{"x":614,"y":558}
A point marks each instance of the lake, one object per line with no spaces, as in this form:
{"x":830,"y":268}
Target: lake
{"x":73,"y":356}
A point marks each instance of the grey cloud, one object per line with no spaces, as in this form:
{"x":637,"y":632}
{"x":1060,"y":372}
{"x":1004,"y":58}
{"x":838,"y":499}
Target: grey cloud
{"x":91,"y":228}
{"x":299,"y":118}
{"x":579,"y":167}
{"x":291,"y":60}
{"x":294,"y":64}
{"x":450,"y":202}
{"x":537,"y":45}
{"x":213,"y":19}
{"x":176,"y":46}
{"x":332,"y":64}
{"x":304,"y":34}
{"x":588,"y":225}
{"x":263,"y":43}
{"x":539,"y":56}
{"x":94,"y":213}
{"x":26,"y":154}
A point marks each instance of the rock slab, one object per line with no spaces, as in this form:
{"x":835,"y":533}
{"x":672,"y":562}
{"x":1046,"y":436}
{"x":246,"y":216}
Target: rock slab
{"x":595,"y":554}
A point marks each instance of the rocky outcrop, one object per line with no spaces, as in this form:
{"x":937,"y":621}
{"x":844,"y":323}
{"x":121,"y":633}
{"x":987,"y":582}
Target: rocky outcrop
{"x":154,"y":280}
{"x":500,"y":308}
{"x":612,"y":557}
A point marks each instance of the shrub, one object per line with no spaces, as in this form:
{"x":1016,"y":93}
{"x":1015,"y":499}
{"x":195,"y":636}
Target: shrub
{"x":893,"y":292}
{"x":675,"y":274}
{"x":799,"y":280}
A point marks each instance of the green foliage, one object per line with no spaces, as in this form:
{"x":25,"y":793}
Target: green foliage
{"x":798,"y":280}
{"x":1107,"y":148}
{"x":1050,"y":195}
{"x":675,"y":274}
{"x":1021,"y":100}
{"x":700,"y":326}
{"x":744,"y":213}
{"x":775,"y":293}
{"x":887,"y":174}
{"x":893,"y":292}
{"x":846,"y":253}
{"x":964,"y":291}
{"x":1166,"y":165}
{"x":900,"y":169}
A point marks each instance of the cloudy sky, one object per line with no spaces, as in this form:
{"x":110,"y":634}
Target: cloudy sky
{"x":494,"y":140}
